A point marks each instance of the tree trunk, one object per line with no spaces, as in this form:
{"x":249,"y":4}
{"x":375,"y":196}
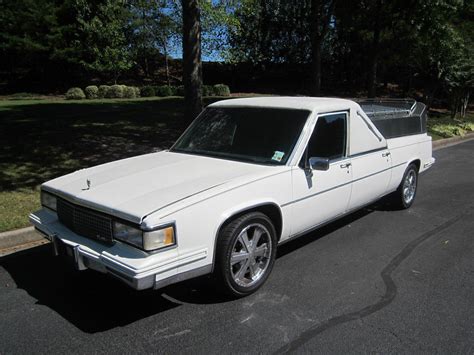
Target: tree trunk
{"x":372,"y":73}
{"x":166,"y":64}
{"x":192,"y":66}
{"x":321,"y":14}
{"x":465,"y":104}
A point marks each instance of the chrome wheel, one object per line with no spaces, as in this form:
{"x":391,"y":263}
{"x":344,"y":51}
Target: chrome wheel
{"x":409,"y":187}
{"x":250,"y":255}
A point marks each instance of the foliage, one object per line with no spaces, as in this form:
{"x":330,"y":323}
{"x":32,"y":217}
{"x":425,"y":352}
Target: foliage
{"x":443,"y":126}
{"x":221,"y":90}
{"x":163,"y":91}
{"x":92,"y":92}
{"x":75,"y":94}
{"x":103,"y":26}
{"x":156,"y":31}
{"x":115,"y":92}
{"x":137,"y":91}
{"x":421,"y":46}
{"x":129,"y":92}
{"x":266,"y":28}
{"x":179,"y":90}
{"x":103,"y":91}
{"x":147,"y":91}
{"x":207,"y":90}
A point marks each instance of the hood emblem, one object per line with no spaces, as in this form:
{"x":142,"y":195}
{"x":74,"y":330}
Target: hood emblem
{"x":88,"y":182}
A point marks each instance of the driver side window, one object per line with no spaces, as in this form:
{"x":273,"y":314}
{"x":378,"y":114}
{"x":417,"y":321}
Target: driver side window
{"x":329,"y":137}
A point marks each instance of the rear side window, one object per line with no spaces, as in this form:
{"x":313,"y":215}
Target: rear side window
{"x":329,"y":137}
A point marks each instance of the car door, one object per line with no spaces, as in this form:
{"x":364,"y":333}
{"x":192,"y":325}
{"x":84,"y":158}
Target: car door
{"x":320,"y":195}
{"x":371,"y":174}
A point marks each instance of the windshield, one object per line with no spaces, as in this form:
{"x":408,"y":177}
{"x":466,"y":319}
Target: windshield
{"x":258,"y":135}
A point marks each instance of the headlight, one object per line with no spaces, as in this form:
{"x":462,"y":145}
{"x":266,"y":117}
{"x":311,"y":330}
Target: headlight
{"x":128,"y":234}
{"x":48,"y":200}
{"x":148,"y":241}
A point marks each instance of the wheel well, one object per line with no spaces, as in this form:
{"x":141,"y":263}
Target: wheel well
{"x":271,"y":210}
{"x":417,"y":162}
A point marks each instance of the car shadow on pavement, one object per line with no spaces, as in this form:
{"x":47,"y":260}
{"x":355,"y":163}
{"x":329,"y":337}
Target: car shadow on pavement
{"x":203,"y":290}
{"x":95,"y":302}
{"x":91,"y":301}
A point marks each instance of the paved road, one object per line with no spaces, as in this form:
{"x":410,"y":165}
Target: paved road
{"x":377,"y":281}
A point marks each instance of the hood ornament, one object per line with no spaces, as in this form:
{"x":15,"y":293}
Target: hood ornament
{"x":88,"y":182}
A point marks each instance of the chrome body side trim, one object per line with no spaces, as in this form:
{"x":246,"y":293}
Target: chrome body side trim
{"x":341,"y":185}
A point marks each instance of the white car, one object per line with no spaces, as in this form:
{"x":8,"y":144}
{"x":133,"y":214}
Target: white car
{"x":247,"y":175}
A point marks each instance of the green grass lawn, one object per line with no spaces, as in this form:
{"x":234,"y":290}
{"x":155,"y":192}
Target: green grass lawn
{"x":45,"y":138}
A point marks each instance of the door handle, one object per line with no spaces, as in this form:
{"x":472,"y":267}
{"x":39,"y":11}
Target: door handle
{"x":347,"y":165}
{"x":385,"y":154}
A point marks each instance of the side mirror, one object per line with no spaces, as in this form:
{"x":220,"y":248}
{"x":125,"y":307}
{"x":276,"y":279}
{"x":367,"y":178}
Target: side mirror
{"x":316,"y":163}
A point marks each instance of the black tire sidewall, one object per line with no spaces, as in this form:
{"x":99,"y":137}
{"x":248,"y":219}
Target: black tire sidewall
{"x":226,"y":251}
{"x":403,"y":203}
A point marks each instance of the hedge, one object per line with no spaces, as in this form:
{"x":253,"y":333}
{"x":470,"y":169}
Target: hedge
{"x":91,"y":92}
{"x":147,"y":91}
{"x":163,"y":91}
{"x":75,"y":94}
{"x":221,"y":90}
{"x":115,"y":92}
{"x":129,"y":92}
{"x":103,"y":91}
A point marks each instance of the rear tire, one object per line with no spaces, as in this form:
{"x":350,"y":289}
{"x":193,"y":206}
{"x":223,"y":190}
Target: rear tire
{"x":245,"y":254}
{"x":405,"y":195}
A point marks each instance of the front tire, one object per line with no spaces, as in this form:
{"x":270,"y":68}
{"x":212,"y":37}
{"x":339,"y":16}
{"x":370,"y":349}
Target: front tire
{"x":405,"y":195}
{"x":245,"y":254}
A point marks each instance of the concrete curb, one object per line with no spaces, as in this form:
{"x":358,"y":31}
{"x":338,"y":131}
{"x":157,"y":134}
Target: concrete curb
{"x":448,"y":142}
{"x":18,"y":237}
{"x":28,"y":236}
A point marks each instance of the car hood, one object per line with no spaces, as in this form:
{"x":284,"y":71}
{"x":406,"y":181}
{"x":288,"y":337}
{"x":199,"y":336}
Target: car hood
{"x":135,"y":187}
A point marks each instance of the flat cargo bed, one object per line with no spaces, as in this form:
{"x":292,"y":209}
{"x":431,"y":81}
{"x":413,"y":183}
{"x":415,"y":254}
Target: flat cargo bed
{"x":396,"y":117}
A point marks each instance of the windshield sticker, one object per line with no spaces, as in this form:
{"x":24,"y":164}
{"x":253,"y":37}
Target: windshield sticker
{"x":278,"y":156}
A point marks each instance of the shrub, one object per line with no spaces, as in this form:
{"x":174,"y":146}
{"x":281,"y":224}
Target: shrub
{"x":163,"y":91}
{"x":129,"y":92}
{"x":137,"y":91}
{"x":147,"y":91}
{"x":91,"y":92}
{"x":180,"y":90}
{"x":174,"y":90}
{"x":103,"y":91}
{"x":115,"y":92}
{"x":75,"y":94}
{"x":207,"y":90}
{"x":23,"y":96}
{"x":221,"y":90}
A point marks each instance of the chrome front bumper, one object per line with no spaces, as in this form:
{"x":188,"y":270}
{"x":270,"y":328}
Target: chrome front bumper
{"x":136,"y":268}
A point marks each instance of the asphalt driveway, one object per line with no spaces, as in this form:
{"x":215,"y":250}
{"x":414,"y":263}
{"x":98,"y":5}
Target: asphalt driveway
{"x":377,"y":281}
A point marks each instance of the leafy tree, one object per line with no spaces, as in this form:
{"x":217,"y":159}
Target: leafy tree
{"x":155,"y":28}
{"x":274,"y":31}
{"x":25,"y":36}
{"x":104,"y":27}
{"x":459,"y":78}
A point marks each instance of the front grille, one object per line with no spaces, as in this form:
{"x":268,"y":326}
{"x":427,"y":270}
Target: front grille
{"x":85,"y":222}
